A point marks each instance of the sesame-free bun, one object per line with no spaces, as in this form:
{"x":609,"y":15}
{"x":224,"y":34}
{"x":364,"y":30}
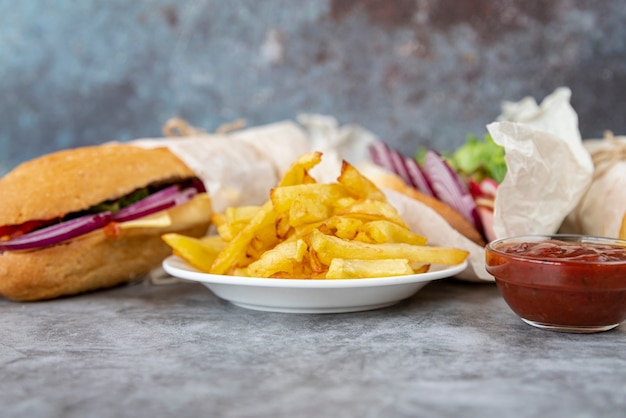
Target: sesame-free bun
{"x":72,"y":180}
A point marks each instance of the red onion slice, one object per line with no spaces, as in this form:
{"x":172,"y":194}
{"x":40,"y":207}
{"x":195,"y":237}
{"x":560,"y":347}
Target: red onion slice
{"x":450,"y":189}
{"x":161,"y":200}
{"x":419,"y":179}
{"x":381,"y":155}
{"x":157,"y":202}
{"x":405,"y":167}
{"x":57,"y":233}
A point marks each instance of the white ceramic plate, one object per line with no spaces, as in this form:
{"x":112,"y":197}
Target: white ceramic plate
{"x":309,"y":296}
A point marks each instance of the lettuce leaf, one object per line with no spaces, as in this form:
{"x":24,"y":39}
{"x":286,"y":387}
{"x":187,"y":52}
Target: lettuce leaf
{"x":479,"y":158}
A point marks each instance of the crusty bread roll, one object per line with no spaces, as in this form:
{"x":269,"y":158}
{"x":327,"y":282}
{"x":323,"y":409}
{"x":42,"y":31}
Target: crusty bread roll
{"x":69,"y":181}
{"x":385,"y":179}
{"x":76,"y":179}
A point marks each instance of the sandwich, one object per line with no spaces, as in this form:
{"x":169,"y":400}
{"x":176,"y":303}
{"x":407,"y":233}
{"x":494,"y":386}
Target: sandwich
{"x":460,"y":186}
{"x":92,"y":217}
{"x":602,"y":209}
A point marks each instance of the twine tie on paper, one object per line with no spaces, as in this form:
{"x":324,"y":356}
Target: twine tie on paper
{"x":604,"y":159}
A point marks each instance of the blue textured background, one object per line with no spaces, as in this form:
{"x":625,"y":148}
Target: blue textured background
{"x":414,"y":72}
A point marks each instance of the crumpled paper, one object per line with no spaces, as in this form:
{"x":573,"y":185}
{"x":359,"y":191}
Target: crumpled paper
{"x":548,"y":168}
{"x":426,"y":222}
{"x":238,"y":168}
{"x":336,"y":142}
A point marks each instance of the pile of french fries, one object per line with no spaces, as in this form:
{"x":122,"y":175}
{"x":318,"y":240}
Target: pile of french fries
{"x":311,"y":230}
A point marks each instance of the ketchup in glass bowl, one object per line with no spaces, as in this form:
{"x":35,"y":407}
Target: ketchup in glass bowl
{"x":568,"y":283}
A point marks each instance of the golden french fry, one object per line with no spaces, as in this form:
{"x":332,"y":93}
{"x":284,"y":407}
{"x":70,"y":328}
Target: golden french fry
{"x":226,"y":232}
{"x":370,"y":210}
{"x":298,"y":173}
{"x":303,"y":212}
{"x":342,"y":227}
{"x":359,"y":185}
{"x":214,"y":241}
{"x":282,"y":227}
{"x":237,"y":247}
{"x":317,"y":193}
{"x":380,"y":231}
{"x":420,"y":267}
{"x":218,"y":218}
{"x":241,"y":214}
{"x":328,"y":247}
{"x":315,"y":264}
{"x":194,"y":250}
{"x":357,"y":268}
{"x":622,"y":231}
{"x":282,"y":258}
{"x":233,"y":220}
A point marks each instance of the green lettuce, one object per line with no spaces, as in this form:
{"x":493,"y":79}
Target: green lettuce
{"x":479,"y":158}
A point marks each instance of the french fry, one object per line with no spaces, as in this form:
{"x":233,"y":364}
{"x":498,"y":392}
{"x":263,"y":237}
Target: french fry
{"x":318,"y":193}
{"x":304,"y":212}
{"x":315,"y":264}
{"x":342,"y":227}
{"x":196,"y":251}
{"x":218,"y":218}
{"x":298,"y":173}
{"x":328,"y":247}
{"x":359,"y":185}
{"x":357,"y":268}
{"x":622,"y":231}
{"x":214,"y":241}
{"x":241,"y":214}
{"x":420,"y":267}
{"x":281,"y":258}
{"x":236,"y":248}
{"x":233,"y":220}
{"x":370,"y":210}
{"x":380,"y":231}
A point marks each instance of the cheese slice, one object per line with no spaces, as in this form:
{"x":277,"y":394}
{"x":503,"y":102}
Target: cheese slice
{"x":159,"y":220}
{"x":176,"y":218}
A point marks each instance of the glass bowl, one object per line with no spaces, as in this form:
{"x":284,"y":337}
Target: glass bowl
{"x":568,"y":283}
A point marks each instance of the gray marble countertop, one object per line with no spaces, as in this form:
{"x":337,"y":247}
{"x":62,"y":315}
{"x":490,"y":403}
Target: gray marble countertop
{"x":453,"y":349}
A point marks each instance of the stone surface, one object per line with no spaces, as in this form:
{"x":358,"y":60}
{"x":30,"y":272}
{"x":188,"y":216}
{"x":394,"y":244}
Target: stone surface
{"x":424,"y":72}
{"x":454,"y":349}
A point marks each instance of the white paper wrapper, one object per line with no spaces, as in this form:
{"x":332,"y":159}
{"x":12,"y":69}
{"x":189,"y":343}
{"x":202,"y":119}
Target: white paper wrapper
{"x":238,"y":168}
{"x":425,"y":221}
{"x":548,"y":168}
{"x":336,"y":142}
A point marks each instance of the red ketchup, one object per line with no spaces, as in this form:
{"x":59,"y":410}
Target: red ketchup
{"x":564,"y":283}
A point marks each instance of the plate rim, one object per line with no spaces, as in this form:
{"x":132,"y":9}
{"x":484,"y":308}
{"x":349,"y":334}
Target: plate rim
{"x":174,"y":266}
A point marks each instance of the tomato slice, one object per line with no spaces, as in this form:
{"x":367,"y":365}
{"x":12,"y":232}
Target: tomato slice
{"x":8,"y":232}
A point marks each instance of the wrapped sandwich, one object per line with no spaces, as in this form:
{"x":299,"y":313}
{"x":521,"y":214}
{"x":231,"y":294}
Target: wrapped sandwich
{"x":602,"y":210}
{"x":92,"y":217}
